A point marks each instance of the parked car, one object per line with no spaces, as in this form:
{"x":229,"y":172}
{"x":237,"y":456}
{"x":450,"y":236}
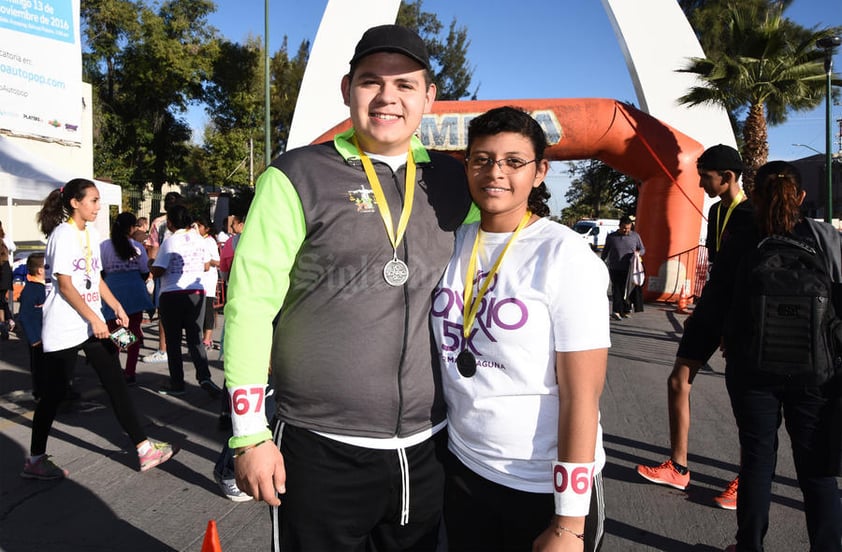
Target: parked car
{"x":594,"y":231}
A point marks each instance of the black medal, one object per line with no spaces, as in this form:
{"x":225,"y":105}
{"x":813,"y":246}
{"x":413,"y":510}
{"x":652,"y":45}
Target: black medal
{"x":466,"y":363}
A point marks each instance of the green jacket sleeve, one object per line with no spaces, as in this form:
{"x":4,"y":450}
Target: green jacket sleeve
{"x":259,"y":280}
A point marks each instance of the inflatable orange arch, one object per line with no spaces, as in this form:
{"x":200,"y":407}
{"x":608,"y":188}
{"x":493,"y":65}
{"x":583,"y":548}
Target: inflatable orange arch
{"x":670,"y":201}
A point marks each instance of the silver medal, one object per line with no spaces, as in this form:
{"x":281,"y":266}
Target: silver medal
{"x":396,"y":272}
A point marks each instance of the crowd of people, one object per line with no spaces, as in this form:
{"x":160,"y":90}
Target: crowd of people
{"x":475,"y":416}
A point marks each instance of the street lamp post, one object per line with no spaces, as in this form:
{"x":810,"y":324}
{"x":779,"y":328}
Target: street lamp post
{"x":809,"y":148}
{"x":267,"y":104}
{"x":828,"y":44}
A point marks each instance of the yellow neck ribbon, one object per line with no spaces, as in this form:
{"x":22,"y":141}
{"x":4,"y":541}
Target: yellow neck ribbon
{"x":471,"y":304}
{"x":86,"y":245}
{"x":395,"y":237}
{"x":720,"y":229}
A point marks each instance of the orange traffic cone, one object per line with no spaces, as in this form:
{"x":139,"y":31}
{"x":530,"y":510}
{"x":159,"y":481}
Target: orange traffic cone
{"x":211,"y":542}
{"x":683,"y":301}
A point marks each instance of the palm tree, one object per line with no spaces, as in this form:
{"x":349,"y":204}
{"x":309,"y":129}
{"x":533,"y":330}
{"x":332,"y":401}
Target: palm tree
{"x":768,"y":66}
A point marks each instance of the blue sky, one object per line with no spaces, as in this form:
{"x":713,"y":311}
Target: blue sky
{"x":534,"y":49}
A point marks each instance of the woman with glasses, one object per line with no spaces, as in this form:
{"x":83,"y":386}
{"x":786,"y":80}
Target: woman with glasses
{"x":520,"y":326}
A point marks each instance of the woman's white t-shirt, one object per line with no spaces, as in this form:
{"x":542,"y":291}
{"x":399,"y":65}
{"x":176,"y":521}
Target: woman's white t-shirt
{"x":67,"y":254}
{"x":211,"y":276}
{"x":182,"y":256}
{"x":549,"y":294}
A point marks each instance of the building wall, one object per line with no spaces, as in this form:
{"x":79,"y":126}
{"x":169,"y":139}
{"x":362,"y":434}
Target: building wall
{"x":814,"y":181}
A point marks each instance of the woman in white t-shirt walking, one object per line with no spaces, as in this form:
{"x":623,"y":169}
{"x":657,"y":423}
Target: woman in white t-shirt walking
{"x":181,"y":264}
{"x":520,"y":327}
{"x":73,"y":321}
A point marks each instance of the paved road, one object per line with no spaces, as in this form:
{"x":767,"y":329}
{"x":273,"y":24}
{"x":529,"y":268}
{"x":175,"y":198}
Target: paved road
{"x":106,"y":505}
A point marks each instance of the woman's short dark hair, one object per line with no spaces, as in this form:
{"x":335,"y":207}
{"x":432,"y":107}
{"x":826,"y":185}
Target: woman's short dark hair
{"x":179,"y":216}
{"x":514,"y":119}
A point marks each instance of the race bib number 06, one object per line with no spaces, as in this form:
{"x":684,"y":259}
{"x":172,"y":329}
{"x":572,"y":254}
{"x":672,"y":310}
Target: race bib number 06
{"x":572,"y":486}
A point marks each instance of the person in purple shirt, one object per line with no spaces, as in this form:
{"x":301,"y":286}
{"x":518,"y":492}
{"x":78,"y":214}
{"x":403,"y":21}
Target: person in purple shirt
{"x":125,"y":266}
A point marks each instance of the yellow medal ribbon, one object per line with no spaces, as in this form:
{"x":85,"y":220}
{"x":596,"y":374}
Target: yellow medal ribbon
{"x":86,"y":245}
{"x":721,"y":229}
{"x":471,"y":304}
{"x":382,"y":206}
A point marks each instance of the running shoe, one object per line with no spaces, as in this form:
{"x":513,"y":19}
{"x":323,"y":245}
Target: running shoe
{"x":728,"y":499}
{"x":85,"y":407}
{"x":230,"y":490}
{"x":665,"y":474}
{"x":172,"y":391}
{"x":157,"y":454}
{"x":210,"y":388}
{"x":43,"y":469}
{"x":156,"y":357}
{"x":616,"y":316}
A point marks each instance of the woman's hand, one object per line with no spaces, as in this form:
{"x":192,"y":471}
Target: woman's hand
{"x":122,"y":317}
{"x":100,"y":329}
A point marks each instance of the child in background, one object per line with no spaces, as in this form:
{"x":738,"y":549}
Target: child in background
{"x":209,"y":280}
{"x":31,"y":310}
{"x":6,"y":322}
{"x":141,"y":231}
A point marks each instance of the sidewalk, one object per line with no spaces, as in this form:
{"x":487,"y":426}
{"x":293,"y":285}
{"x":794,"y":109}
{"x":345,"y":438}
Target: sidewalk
{"x":107,"y":505}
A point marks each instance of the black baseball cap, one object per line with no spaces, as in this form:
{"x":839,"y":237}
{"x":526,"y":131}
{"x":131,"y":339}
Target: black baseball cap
{"x":720,"y":158}
{"x":392,"y":38}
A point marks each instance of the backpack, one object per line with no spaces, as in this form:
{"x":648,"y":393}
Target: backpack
{"x":794,"y":333}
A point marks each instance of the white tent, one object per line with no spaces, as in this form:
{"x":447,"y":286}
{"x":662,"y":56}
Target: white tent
{"x":26,"y":179}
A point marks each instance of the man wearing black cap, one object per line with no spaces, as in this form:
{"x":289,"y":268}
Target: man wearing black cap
{"x":719,"y":170}
{"x":331,"y":286}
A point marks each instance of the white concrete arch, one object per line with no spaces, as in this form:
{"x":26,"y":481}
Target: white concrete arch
{"x":643,"y":30}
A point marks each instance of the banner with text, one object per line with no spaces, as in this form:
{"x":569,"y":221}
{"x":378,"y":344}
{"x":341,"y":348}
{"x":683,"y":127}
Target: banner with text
{"x":41,"y":68}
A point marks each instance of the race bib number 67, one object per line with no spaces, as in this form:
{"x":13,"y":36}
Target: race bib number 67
{"x":247,"y":409}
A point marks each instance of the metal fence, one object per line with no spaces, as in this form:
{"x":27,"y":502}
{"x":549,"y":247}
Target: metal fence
{"x":144,"y":203}
{"x":695,"y":260}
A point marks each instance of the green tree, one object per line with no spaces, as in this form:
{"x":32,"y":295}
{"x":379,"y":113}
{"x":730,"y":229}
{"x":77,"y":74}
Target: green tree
{"x":146,"y":66}
{"x":235,"y":94}
{"x":598,"y":191}
{"x":287,"y":74}
{"x":764,"y":67}
{"x":234,"y":104}
{"x":711,"y":28}
{"x":449,"y":56}
{"x":234,"y":136}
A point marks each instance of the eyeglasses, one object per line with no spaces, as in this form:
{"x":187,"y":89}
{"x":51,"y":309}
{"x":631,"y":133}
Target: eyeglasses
{"x":507,"y":165}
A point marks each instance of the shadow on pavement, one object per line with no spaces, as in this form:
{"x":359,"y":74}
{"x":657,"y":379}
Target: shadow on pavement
{"x":25,"y":526}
